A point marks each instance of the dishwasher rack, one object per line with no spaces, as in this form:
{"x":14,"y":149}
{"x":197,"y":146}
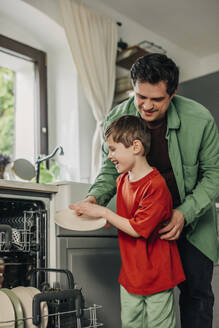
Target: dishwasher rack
{"x":66,"y":308}
{"x":90,"y":313}
{"x":23,"y":240}
{"x":20,"y":233}
{"x":78,"y":317}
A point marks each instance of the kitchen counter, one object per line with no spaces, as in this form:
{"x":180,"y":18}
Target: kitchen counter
{"x":28,"y":186}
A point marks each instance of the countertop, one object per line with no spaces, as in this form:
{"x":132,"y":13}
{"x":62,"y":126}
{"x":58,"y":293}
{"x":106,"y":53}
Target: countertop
{"x":28,"y":186}
{"x":49,"y":188}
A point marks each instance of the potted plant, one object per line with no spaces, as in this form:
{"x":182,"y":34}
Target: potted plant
{"x":4,"y":160}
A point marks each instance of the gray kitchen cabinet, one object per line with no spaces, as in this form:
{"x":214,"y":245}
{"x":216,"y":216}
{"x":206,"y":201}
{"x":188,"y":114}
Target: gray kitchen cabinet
{"x":95,"y":264}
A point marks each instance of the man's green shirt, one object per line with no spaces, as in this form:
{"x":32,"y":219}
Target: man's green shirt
{"x":193,"y":147}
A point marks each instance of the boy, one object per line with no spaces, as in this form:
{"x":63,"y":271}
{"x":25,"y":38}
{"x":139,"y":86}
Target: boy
{"x":151,"y":267}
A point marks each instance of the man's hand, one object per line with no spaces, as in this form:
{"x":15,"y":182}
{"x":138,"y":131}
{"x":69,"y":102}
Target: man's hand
{"x":174,"y":228}
{"x":77,"y":206}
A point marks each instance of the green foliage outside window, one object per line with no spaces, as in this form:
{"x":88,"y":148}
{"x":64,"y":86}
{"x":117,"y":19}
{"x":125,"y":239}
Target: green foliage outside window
{"x":7,"y":79}
{"x":48,"y":175}
{"x":7,"y":123}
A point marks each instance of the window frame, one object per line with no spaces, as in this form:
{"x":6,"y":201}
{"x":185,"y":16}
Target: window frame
{"x":39,"y":58}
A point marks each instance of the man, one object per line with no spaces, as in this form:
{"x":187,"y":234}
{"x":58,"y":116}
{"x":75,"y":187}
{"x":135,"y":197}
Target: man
{"x":185,"y":150}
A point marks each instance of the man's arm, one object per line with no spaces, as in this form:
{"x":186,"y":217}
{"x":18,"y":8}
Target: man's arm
{"x":173,"y":229}
{"x":206,"y":190}
{"x":207,"y":187}
{"x":104,"y":187}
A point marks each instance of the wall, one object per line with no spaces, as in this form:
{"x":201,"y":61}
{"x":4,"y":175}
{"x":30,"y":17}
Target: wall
{"x":204,"y":90}
{"x":209,"y":64}
{"x":131,"y":32}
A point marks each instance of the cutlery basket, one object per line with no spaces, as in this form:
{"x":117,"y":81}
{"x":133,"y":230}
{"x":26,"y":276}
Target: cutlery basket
{"x":66,"y":307}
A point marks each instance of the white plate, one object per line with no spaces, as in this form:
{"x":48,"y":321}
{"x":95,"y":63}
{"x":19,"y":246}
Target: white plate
{"x":6,"y":311}
{"x":17,"y":307}
{"x":68,"y":219}
{"x":43,"y":307}
{"x":26,"y":300}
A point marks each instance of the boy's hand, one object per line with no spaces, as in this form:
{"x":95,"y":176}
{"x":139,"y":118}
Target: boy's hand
{"x":77,"y":206}
{"x":90,"y":209}
{"x":173,"y":229}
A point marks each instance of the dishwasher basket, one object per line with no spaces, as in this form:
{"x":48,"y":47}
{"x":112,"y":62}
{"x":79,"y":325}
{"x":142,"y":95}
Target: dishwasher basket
{"x":91,"y":314}
{"x":21,"y":234}
{"x":77,"y":317}
{"x":66,"y":307}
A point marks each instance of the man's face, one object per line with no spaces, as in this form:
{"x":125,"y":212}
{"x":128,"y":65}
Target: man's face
{"x":152,"y":100}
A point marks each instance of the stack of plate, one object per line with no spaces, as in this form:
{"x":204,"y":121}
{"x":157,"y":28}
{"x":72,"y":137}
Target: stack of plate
{"x":7,"y":312}
{"x":43,"y":307}
{"x":26,"y":295}
{"x":16,"y":306}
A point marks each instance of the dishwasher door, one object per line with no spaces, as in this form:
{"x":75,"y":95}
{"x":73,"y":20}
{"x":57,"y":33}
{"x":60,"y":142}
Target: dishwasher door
{"x":92,"y":256}
{"x":95,"y":264}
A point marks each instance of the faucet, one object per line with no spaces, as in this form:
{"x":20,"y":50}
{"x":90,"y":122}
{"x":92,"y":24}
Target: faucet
{"x":40,"y":160}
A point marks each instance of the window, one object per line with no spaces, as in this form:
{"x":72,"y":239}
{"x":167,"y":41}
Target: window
{"x":25,"y":68}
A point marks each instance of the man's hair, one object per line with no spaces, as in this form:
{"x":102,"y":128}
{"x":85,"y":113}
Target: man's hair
{"x":128,"y":128}
{"x":154,"y":68}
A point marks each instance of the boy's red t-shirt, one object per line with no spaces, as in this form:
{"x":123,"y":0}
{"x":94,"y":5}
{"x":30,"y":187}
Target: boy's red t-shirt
{"x":149,"y":264}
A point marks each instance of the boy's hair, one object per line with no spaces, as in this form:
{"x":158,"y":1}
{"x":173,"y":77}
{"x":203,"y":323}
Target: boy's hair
{"x":154,"y":68}
{"x":128,"y":128}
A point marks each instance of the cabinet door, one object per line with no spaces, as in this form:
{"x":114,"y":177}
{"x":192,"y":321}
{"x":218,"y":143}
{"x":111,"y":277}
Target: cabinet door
{"x":95,"y":264}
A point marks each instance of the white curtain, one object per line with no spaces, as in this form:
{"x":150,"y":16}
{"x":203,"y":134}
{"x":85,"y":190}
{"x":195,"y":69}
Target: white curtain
{"x":93,"y":41}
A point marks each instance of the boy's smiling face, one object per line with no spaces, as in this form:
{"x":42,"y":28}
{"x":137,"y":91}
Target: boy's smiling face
{"x":122,"y":157}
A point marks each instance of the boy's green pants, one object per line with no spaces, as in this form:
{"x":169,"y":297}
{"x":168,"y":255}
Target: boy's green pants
{"x":147,"y":311}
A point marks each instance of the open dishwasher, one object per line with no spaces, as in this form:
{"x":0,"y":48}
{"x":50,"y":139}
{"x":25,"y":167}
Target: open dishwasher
{"x":23,"y":268}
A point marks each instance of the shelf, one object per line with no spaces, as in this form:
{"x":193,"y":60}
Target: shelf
{"x":121,"y":96}
{"x":127,"y":57}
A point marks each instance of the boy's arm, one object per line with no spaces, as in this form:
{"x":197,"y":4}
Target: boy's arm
{"x":116,"y":220}
{"x":154,"y":208}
